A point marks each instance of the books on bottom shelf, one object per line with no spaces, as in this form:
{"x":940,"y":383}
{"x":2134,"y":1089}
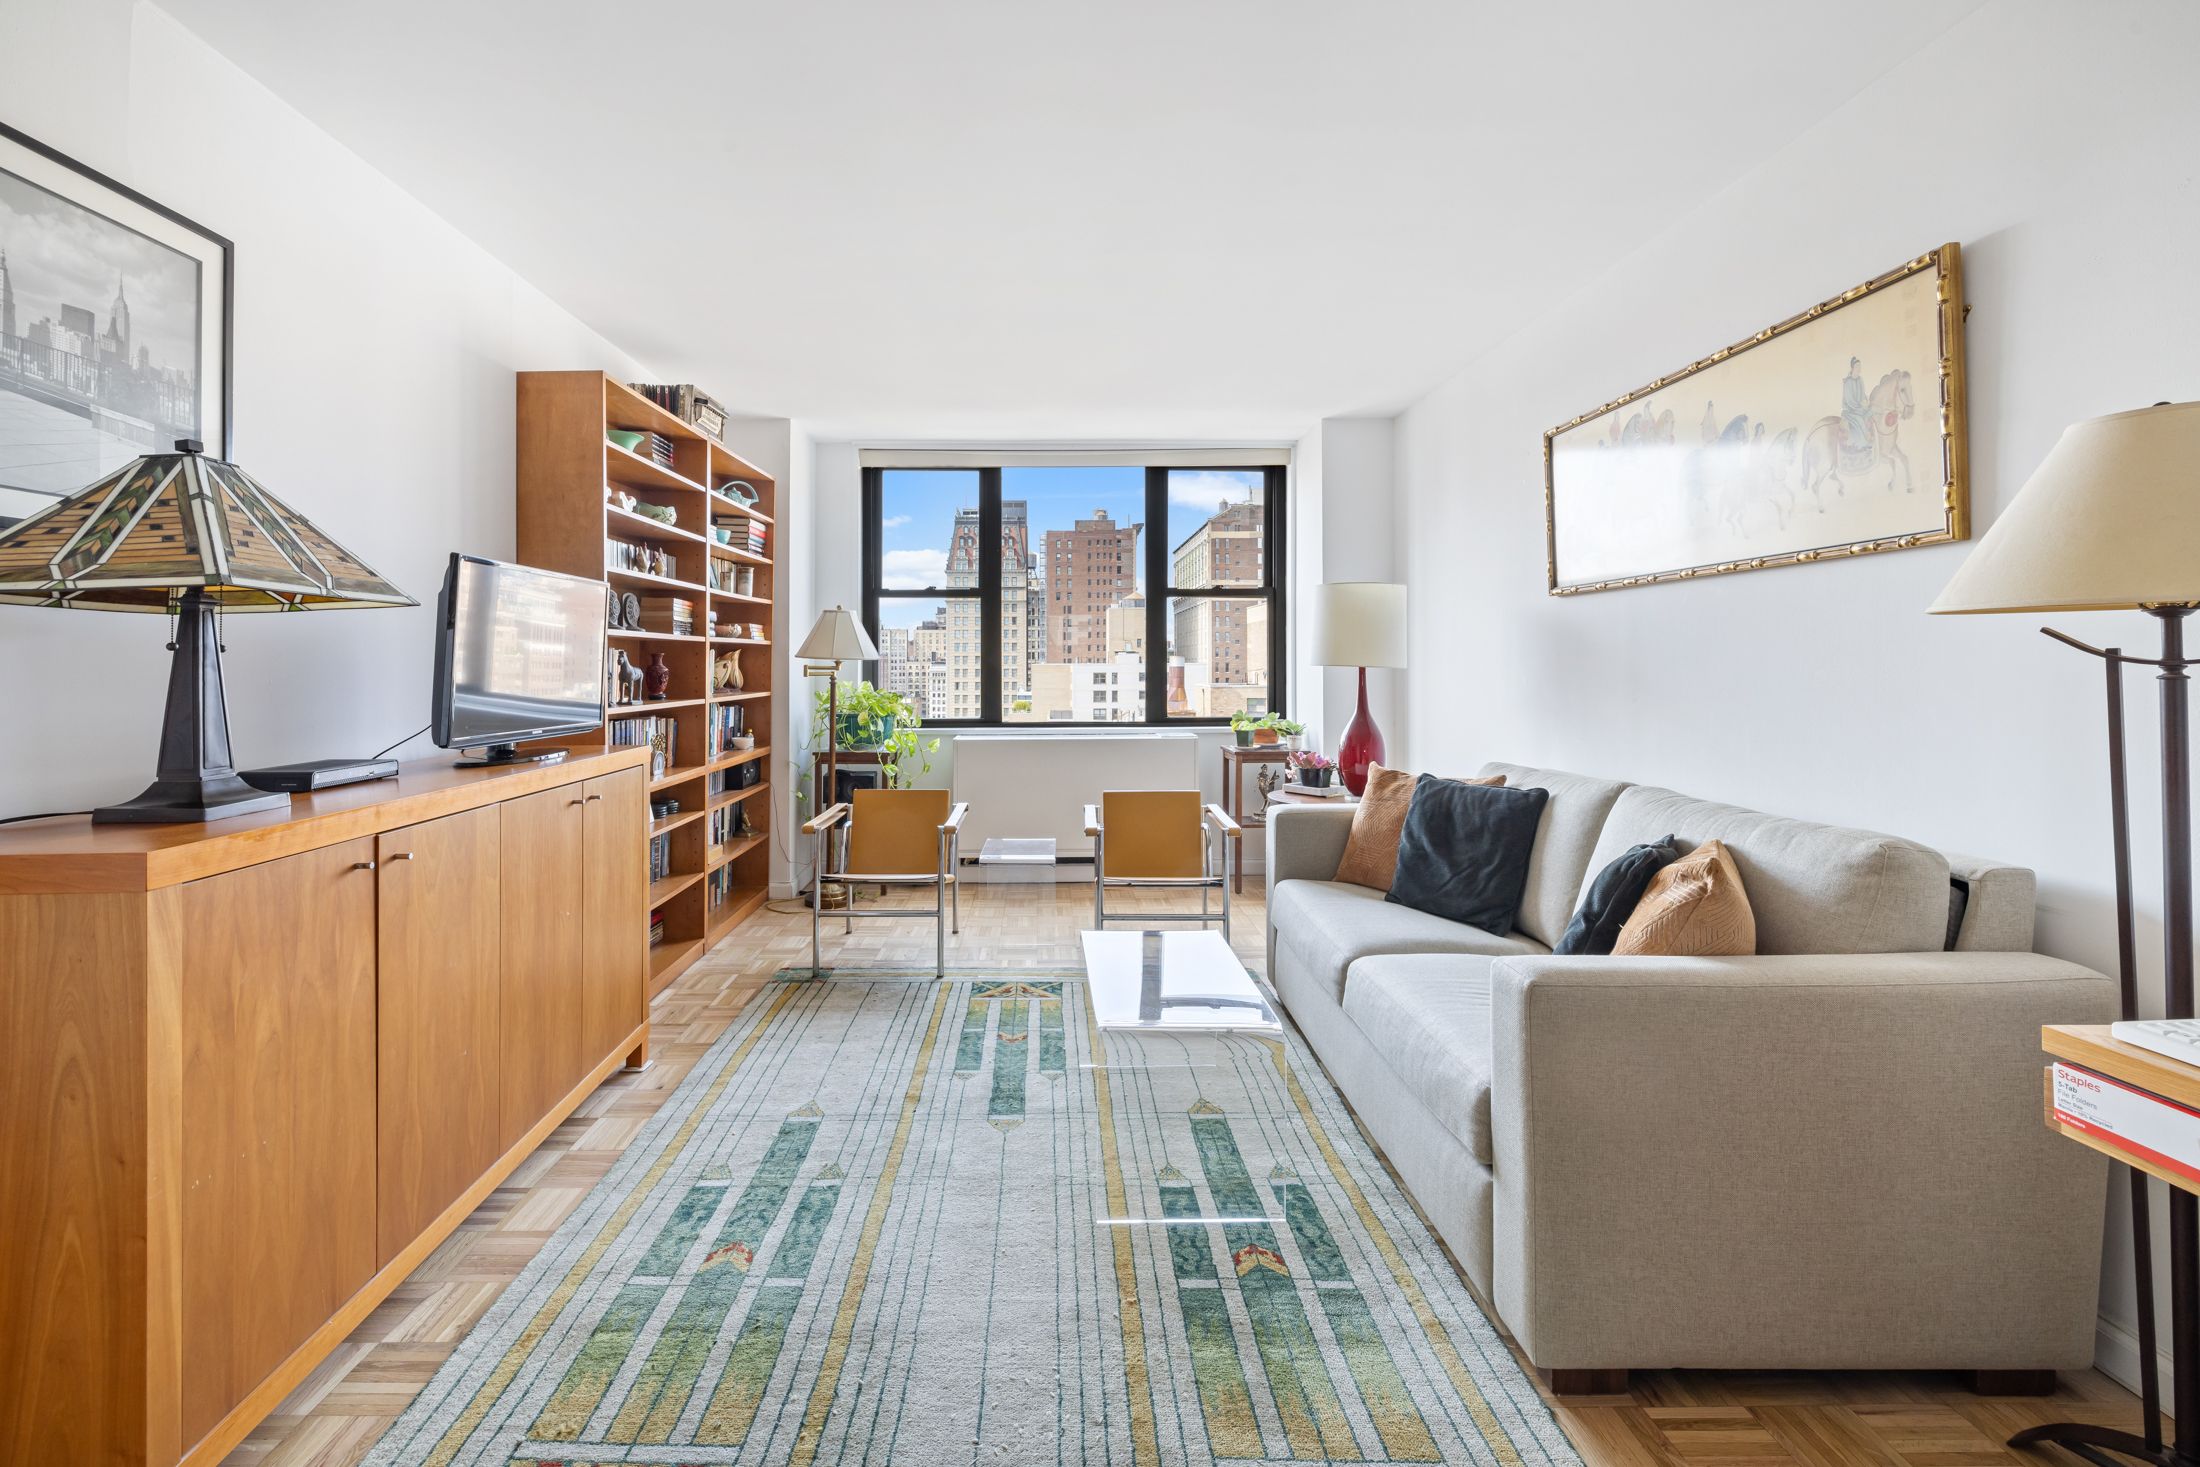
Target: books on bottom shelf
{"x":2127,"y":1119}
{"x":660,"y":857}
{"x":719,"y":888}
{"x":659,"y":731}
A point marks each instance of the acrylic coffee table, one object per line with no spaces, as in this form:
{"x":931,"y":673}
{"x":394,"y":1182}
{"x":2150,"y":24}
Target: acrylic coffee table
{"x":1173,"y":981}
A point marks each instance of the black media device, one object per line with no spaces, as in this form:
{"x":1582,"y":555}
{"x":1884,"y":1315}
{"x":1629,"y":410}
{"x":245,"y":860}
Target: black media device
{"x":318,"y":774}
{"x":518,"y":655}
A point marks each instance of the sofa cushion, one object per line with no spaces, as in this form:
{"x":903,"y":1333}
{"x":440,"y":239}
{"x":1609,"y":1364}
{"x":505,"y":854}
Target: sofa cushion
{"x":1564,"y":839}
{"x":1429,"y":1018}
{"x":1327,"y":926}
{"x":1463,"y":853}
{"x":1694,"y":908}
{"x":1812,"y":888}
{"x":1610,"y":899}
{"x":1371,"y":851}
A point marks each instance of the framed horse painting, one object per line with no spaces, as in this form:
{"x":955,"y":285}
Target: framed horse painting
{"x":1838,"y":432}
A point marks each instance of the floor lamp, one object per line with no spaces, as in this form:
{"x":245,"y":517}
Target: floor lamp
{"x":2109,"y":522}
{"x":838,"y":637}
{"x":1360,"y":624}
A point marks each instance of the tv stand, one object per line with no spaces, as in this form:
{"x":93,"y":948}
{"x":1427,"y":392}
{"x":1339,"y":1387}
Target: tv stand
{"x":496,"y":755}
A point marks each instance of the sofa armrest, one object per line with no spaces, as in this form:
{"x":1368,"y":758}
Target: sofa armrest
{"x":1305,"y":842}
{"x":1790,"y":1162}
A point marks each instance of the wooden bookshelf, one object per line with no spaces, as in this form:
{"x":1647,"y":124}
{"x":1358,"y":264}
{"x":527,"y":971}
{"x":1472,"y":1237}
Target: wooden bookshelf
{"x":569,"y":471}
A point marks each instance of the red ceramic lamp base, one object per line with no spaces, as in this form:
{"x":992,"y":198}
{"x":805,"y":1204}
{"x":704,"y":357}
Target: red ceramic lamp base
{"x":1361,"y":746}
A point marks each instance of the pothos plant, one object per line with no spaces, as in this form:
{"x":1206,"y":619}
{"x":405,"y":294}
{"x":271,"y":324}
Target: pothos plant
{"x":872,"y":718}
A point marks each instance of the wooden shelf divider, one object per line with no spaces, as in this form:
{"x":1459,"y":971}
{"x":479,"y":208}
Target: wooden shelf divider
{"x":568,"y":472}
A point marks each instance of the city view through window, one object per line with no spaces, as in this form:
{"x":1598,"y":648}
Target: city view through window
{"x":1074,"y":566}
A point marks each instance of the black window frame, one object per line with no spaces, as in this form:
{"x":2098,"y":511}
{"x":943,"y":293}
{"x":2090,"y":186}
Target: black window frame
{"x":1155,"y":584}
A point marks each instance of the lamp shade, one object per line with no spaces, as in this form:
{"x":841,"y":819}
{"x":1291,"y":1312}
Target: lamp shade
{"x":2109,"y":520}
{"x":1360,"y":624}
{"x":170,"y":523}
{"x":837,"y":637}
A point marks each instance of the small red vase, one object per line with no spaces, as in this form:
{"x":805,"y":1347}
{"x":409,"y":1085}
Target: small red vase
{"x":1361,"y":746}
{"x":657,"y":679}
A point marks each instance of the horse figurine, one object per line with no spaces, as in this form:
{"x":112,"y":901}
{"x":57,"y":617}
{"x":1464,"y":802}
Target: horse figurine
{"x":1828,"y":454}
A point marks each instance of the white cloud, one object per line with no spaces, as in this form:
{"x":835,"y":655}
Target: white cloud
{"x":1207,"y":491}
{"x":913,"y":570}
{"x":894,"y":521}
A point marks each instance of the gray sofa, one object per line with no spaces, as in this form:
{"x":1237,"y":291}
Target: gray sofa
{"x":1826,"y":1156}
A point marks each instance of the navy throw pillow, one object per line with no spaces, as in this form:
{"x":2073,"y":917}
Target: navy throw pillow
{"x":1463,"y":853}
{"x":1610,"y":899}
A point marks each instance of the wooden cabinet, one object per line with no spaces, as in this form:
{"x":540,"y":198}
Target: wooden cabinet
{"x":252,"y":1073}
{"x":277,"y":1028}
{"x":617,"y":814}
{"x":544,"y":962}
{"x":440,"y":1023}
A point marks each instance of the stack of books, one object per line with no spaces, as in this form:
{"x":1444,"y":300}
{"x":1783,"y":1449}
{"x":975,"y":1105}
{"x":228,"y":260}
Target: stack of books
{"x":656,"y":928}
{"x":660,"y":857}
{"x":674,"y":614}
{"x":760,"y":539}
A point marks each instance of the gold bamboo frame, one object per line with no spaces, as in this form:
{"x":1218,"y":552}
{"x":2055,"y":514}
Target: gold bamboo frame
{"x":1954,"y":445}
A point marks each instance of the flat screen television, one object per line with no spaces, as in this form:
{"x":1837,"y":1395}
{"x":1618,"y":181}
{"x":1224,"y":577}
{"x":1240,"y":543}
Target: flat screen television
{"x":518,"y":655}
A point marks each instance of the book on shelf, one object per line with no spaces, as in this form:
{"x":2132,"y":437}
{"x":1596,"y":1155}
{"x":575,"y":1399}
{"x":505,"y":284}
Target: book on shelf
{"x":2127,"y":1119}
{"x":719,"y":888}
{"x":660,"y":732}
{"x":674,"y":614}
{"x":685,"y":402}
{"x":726,"y":722}
{"x":660,"y":857}
{"x":656,"y":928}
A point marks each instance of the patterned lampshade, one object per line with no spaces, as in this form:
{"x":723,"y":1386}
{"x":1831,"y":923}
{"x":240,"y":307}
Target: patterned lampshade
{"x":170,"y":523}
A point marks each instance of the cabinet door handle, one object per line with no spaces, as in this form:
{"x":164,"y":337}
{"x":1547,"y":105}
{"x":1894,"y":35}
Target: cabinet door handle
{"x":592,"y":799}
{"x":576,"y":802}
{"x":402,"y":856}
{"x":362,"y":865}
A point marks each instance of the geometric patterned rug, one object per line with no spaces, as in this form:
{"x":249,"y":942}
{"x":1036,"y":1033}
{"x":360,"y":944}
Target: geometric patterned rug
{"x":896,"y":1219}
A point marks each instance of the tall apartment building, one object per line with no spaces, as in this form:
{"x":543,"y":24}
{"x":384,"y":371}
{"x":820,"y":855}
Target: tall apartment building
{"x":1225,"y":551}
{"x":965,"y":615}
{"x":1089,"y":568}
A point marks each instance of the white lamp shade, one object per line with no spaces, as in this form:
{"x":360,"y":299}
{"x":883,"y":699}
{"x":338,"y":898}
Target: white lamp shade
{"x":1360,"y":624}
{"x":2110,"y":520}
{"x":837,"y":637}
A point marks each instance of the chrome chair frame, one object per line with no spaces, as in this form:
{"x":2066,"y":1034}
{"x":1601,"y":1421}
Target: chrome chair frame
{"x":1214,"y":865}
{"x":946,"y":908}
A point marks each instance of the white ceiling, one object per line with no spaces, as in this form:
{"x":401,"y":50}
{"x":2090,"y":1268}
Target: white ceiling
{"x":1154,"y":219}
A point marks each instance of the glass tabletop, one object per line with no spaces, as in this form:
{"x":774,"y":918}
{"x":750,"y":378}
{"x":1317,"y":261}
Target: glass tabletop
{"x":1173,"y":981}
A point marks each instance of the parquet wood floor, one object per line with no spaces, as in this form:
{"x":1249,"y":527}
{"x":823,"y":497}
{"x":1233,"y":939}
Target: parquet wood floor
{"x":1668,"y":1419}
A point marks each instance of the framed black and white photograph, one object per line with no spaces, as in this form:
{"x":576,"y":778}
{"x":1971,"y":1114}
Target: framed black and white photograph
{"x":114,"y":327}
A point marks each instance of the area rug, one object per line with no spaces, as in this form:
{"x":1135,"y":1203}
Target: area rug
{"x":895,"y":1219}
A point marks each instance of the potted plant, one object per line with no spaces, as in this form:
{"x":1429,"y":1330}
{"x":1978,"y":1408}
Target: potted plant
{"x":875,"y":720}
{"x":868,"y":716}
{"x":1313,"y":769}
{"x":1289,"y":730}
{"x":1242,"y":724}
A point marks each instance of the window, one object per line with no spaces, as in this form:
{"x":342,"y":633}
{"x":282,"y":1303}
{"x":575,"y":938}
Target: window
{"x":1076,"y":594}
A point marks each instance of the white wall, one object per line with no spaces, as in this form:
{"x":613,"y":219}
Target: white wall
{"x":1346,"y":530}
{"x":2055,"y":143}
{"x":375,"y":348}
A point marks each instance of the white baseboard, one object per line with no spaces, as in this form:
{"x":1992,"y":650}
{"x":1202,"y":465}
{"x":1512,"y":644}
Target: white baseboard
{"x":2116,"y":1354}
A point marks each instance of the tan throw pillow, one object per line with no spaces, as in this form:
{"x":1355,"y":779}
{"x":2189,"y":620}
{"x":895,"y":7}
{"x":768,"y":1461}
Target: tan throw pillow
{"x":1371,"y":850}
{"x":1694,"y":908}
